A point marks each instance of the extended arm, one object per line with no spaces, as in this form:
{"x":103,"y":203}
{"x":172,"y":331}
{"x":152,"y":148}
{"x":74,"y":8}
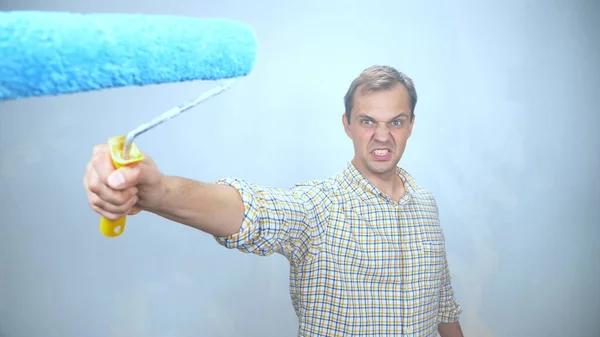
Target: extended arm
{"x":249,"y":217}
{"x":450,"y":310}
{"x":216,"y":209}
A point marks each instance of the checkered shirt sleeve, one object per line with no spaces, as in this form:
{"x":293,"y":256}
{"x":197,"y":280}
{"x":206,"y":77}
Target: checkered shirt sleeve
{"x":449,"y":309}
{"x":284,"y":221}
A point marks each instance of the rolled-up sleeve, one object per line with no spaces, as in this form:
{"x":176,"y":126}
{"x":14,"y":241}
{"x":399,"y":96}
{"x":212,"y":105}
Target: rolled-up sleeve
{"x":449,"y":308}
{"x":284,"y":221}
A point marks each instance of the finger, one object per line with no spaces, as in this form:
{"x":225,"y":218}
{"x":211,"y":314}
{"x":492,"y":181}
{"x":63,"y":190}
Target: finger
{"x":107,"y":215}
{"x":100,"y":148}
{"x":117,"y":179}
{"x":115,"y":200}
{"x":119,"y":197}
{"x":121,"y":209}
{"x":96,"y":204}
{"x":87,"y":175}
{"x":105,"y":193}
{"x":102,"y":163}
{"x":125,"y":177}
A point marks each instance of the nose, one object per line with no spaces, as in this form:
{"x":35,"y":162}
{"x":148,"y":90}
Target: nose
{"x":382,"y":133}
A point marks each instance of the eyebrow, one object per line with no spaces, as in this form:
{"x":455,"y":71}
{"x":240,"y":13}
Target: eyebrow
{"x":364,"y":115}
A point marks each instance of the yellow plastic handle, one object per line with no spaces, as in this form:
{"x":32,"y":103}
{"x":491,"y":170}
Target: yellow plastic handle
{"x":116,"y":144}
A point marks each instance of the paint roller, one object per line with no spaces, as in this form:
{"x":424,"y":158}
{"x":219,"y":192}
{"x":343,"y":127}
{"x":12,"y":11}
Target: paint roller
{"x":49,"y":53}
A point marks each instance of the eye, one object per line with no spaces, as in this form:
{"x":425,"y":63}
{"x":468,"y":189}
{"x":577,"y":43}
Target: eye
{"x":397,"y":123}
{"x":366,"y":121}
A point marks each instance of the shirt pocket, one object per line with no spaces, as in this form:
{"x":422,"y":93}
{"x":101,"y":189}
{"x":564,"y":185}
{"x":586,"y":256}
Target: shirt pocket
{"x":430,"y":266}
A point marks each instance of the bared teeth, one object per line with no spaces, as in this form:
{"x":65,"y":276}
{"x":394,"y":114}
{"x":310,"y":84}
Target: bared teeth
{"x":380,"y":152}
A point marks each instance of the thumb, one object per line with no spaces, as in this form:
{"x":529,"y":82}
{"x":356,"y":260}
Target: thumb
{"x":124,"y":177}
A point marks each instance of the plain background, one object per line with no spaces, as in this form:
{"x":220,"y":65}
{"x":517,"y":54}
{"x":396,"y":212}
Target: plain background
{"x":505,"y":137}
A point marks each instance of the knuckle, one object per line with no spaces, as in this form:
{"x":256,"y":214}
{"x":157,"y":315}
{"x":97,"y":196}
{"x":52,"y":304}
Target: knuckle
{"x":98,"y":149}
{"x":126,"y":206}
{"x":99,"y":210}
{"x":87,"y":175}
{"x":93,"y":182}
{"x":93,"y":186}
{"x":95,"y":209}
{"x":95,"y":201}
{"x":99,"y":156}
{"x":133,"y":201}
{"x":119,"y":198}
{"x":122,"y":199}
{"x":132,"y":192}
{"x":96,"y":204}
{"x":136,"y":173}
{"x":95,"y":161}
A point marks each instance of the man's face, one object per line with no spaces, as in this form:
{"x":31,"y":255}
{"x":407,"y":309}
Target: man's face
{"x":380,"y":126}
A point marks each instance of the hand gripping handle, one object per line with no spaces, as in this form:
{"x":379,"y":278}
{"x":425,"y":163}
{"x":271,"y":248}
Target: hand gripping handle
{"x":116,"y":145}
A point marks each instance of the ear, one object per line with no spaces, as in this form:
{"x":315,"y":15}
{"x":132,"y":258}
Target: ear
{"x":412,"y":123}
{"x":346,"y":124}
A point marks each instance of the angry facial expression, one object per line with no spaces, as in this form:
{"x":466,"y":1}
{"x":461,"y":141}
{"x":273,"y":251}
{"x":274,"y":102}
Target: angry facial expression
{"x":380,"y":125}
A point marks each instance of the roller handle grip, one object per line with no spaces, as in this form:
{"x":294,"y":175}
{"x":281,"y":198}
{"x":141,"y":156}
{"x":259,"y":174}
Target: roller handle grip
{"x":114,"y":228}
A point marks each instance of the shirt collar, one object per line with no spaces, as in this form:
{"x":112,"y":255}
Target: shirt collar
{"x":355,"y":179}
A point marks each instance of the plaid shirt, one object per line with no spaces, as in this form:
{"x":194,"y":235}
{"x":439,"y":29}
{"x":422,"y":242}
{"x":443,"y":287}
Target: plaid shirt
{"x":361,"y":264}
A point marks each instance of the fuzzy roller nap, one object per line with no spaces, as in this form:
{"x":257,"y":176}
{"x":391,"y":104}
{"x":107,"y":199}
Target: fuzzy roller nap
{"x":51,"y":53}
{"x":54,"y":53}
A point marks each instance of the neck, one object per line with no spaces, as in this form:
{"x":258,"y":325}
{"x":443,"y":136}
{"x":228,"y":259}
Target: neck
{"x":389,"y":183}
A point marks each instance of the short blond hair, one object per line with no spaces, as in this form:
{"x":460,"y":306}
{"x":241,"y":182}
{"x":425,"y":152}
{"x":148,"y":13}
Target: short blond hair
{"x":377,"y":78}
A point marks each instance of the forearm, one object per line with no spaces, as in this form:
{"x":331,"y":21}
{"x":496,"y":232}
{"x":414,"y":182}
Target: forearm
{"x":450,"y":329}
{"x":212,"y":208}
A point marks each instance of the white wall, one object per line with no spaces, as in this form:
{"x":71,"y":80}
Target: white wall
{"x":505,"y":138}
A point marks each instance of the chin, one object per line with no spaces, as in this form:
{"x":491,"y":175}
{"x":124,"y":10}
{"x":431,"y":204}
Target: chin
{"x":382,"y":167}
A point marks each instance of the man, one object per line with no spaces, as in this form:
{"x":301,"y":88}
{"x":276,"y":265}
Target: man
{"x":366,"y":250}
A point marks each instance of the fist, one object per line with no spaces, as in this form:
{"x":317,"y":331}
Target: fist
{"x":127,"y":191}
